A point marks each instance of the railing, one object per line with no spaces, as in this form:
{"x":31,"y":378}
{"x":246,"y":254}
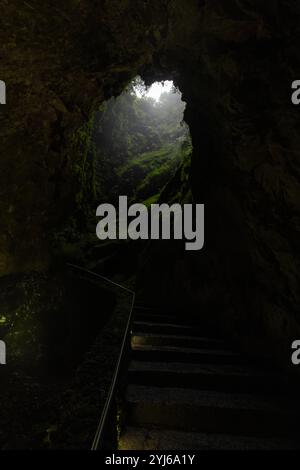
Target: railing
{"x":98,"y":441}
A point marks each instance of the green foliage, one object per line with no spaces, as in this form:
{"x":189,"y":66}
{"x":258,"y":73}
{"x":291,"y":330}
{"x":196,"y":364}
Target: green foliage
{"x":83,"y":166}
{"x":151,"y":200}
{"x":153,"y":169}
{"x":138,"y":145}
{"x":81,"y":155}
{"x":178,"y":189}
{"x":132,"y":146}
{"x":36,"y":298}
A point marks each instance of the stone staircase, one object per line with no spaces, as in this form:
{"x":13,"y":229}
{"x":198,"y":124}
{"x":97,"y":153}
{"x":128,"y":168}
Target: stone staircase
{"x":189,"y":391}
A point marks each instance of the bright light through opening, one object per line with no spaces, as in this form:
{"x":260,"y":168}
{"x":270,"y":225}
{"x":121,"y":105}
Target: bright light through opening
{"x":155,"y":90}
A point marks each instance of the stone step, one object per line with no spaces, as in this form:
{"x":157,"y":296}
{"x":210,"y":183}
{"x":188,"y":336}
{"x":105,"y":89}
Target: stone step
{"x":153,"y":310}
{"x":151,"y":315}
{"x":168,"y":328}
{"x":160,"y":319}
{"x":140,"y":338}
{"x":180,"y":354}
{"x":210,"y":412}
{"x":164,"y":439}
{"x":222,"y":377}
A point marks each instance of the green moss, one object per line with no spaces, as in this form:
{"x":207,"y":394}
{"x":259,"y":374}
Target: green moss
{"x":154,"y":169}
{"x":83,"y":164}
{"x":25,"y":331}
{"x":149,"y":160}
{"x":151,"y":200}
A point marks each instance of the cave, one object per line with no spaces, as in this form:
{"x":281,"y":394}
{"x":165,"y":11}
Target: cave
{"x":138,"y":140}
{"x":234,"y":63}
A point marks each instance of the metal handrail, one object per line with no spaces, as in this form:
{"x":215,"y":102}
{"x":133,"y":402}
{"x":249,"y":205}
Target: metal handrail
{"x":98,"y":439}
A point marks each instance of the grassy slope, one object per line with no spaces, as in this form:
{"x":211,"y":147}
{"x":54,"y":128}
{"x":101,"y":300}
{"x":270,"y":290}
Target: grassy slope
{"x":152,"y":170}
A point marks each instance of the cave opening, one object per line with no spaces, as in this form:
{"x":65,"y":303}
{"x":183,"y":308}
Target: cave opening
{"x":139,"y":141}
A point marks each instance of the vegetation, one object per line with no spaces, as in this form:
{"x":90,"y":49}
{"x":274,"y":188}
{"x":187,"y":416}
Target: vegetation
{"x":138,"y":144}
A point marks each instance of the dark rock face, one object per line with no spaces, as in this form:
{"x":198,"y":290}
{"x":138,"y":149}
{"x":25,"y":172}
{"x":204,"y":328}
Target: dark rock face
{"x":58,"y":62}
{"x":234,"y":61}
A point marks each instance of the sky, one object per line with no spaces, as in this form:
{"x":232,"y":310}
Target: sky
{"x":155,"y":90}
